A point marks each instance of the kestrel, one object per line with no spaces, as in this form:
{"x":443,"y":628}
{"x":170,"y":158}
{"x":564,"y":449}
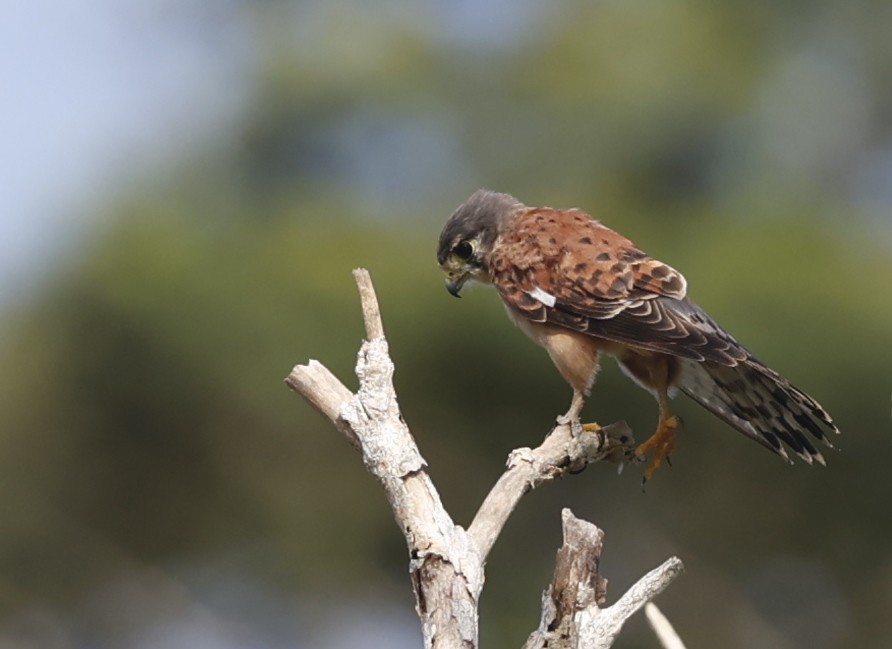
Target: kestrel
{"x":579,"y":289}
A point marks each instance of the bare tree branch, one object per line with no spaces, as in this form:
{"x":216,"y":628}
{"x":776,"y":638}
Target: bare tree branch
{"x":322,"y":390}
{"x":563,"y":451}
{"x":371,"y":312}
{"x":572,"y":616}
{"x":446,"y":569}
{"x":662,"y":628}
{"x":446,"y":562}
{"x":646,"y":588}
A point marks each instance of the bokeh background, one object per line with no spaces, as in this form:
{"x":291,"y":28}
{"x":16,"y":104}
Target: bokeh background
{"x":187,"y":185}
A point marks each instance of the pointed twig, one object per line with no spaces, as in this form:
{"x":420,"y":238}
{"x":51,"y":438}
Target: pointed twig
{"x":662,"y":627}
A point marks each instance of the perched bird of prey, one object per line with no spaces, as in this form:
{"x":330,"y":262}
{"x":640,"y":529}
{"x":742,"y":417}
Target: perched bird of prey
{"x":580,"y":290}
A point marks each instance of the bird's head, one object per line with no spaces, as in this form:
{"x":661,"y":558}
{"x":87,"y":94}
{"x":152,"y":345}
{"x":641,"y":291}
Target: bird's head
{"x":468,"y":236}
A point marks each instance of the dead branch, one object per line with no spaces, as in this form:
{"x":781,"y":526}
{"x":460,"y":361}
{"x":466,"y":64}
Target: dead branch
{"x":563,"y":451}
{"x":662,"y":627}
{"x":446,"y":561}
{"x":572,"y":613}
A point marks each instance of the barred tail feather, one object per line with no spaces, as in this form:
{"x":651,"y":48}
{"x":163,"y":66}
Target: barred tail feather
{"x":760,"y":404}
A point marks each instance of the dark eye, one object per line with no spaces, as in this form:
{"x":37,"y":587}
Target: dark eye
{"x":463,"y":250}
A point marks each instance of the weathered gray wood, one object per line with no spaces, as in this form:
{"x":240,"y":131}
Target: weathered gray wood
{"x":446,"y":561}
{"x":573,"y":615}
{"x":563,"y":451}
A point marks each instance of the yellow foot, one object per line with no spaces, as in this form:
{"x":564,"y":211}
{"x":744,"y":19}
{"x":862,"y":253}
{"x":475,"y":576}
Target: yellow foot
{"x":661,"y":442}
{"x":577,"y":427}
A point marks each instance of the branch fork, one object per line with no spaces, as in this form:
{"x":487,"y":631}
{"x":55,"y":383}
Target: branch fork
{"x":447,"y":561}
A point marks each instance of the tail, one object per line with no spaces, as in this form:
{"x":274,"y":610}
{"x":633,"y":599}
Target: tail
{"x":762,"y":405}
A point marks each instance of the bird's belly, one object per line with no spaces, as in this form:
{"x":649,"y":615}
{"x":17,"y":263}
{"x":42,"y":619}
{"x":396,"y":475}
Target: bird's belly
{"x":574,"y":354}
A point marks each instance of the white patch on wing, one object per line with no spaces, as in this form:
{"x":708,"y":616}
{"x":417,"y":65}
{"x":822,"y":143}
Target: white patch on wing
{"x":544,"y":297}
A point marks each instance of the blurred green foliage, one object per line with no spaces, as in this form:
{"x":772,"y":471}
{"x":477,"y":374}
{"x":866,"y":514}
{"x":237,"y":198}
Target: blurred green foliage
{"x":144,"y":419}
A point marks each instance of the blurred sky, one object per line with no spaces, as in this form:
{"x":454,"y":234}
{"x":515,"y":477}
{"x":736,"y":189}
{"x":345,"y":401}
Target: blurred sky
{"x":95,"y":93}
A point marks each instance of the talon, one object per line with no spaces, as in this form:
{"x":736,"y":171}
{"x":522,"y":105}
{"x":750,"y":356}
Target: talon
{"x":662,"y":442}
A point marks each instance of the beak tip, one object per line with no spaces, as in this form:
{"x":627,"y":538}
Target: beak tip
{"x":454,"y":287}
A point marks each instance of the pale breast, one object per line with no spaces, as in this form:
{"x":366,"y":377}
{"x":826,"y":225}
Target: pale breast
{"x":574,"y":354}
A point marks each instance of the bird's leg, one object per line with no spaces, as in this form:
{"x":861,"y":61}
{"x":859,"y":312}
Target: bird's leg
{"x":575,"y":406}
{"x":572,"y":415}
{"x":662,"y":441}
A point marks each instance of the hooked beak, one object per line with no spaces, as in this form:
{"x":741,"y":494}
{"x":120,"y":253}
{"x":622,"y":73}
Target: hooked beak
{"x":454,"y":284}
